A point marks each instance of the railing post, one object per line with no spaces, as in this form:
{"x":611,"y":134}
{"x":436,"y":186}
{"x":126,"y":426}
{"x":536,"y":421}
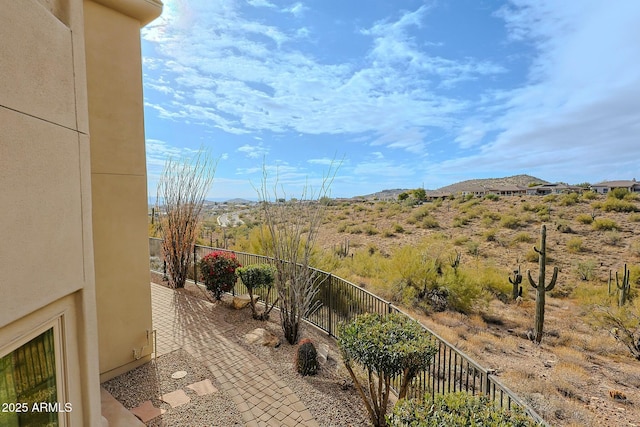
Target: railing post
{"x":195,"y":265}
{"x":330,"y":304}
{"x":487,"y":383}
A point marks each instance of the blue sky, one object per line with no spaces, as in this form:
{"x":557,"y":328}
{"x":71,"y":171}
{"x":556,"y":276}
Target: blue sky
{"x":405,"y":93}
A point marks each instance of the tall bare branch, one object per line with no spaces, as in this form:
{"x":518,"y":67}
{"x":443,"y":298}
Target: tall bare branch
{"x":182,"y":188}
{"x":292,"y":229}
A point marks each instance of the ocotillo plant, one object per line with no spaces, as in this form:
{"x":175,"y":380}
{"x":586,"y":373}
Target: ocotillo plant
{"x":515,"y":281}
{"x":624,"y":287}
{"x":540,"y":287}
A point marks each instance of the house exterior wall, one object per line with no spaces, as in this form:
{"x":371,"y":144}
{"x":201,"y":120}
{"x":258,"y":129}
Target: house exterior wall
{"x":119,"y":189}
{"x":46,"y":249}
{"x":72,"y":186}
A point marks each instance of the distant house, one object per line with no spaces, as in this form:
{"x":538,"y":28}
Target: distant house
{"x":557,"y":188}
{"x":506,"y":190}
{"x":436,"y":194}
{"x":498,"y":190}
{"x":477,"y":191}
{"x":604,"y":187}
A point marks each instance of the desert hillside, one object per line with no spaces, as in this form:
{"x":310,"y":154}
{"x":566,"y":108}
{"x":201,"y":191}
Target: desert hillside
{"x":583,"y":373}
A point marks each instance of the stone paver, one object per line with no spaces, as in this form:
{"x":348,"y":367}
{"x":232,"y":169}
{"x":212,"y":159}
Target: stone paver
{"x":262,"y":398}
{"x":146,"y":411}
{"x":176,"y":398}
{"x":203,"y":387}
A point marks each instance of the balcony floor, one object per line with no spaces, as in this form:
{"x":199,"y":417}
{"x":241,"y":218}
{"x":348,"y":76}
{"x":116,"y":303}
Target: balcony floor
{"x":260,"y":395}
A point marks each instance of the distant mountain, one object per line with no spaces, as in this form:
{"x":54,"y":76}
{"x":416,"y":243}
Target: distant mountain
{"x":383,"y":195}
{"x":240,"y":202}
{"x":519,"y":180}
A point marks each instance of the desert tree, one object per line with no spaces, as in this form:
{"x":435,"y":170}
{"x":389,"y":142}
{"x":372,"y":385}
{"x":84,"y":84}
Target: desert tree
{"x":387,"y":347}
{"x":624,"y":325}
{"x":291,"y":226}
{"x":181,"y":193}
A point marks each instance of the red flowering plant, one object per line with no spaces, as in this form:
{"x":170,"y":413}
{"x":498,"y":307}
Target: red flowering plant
{"x":219,"y":272}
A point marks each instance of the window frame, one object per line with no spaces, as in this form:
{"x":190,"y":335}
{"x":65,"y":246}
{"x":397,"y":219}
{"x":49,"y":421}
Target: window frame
{"x":57,"y":324}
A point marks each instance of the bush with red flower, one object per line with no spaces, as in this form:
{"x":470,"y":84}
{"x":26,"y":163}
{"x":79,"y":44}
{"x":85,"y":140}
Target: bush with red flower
{"x":219,"y":272}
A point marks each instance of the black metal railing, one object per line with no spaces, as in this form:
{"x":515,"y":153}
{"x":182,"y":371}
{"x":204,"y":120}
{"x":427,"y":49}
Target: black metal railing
{"x":450,"y":371}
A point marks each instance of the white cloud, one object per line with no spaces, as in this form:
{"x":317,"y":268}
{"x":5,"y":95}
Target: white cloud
{"x":261,"y":3}
{"x":578,"y":100}
{"x":254,"y":151}
{"x":296,"y":9}
{"x":578,"y":111}
{"x":323,"y":161}
{"x":239,"y":83}
{"x":383,"y":169}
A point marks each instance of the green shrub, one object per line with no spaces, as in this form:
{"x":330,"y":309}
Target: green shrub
{"x":490,"y":235}
{"x":523,"y":238}
{"x":460,"y":240}
{"x":464,"y":291}
{"x":460,"y":221}
{"x":605,"y":224}
{"x":429,"y":222}
{"x":613,"y":204}
{"x":354,"y":230}
{"x":385,"y":346}
{"x":256,"y":277}
{"x":459,"y":409}
{"x":473,"y":248}
{"x":575,"y":245}
{"x":634,"y":217}
{"x":585,"y":269}
{"x":612,"y":238}
{"x":584,"y":219}
{"x":510,"y":221}
{"x":397,"y":228}
{"x":550,"y":198}
{"x":632,"y":196}
{"x":370,"y":230}
{"x":420,"y":213}
{"x":617,"y":193}
{"x":492,"y":197}
{"x":569,"y":199}
{"x":531,"y":255}
{"x":491,"y":216}
{"x":589,"y":195}
{"x":563,"y":227}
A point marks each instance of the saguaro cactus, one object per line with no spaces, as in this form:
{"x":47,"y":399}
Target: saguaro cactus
{"x":515,"y":281}
{"x":540,"y":287}
{"x":624,"y":287}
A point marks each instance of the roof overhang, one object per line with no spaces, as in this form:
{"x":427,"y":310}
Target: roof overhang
{"x":144,"y":11}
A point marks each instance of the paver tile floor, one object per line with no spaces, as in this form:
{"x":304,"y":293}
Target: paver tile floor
{"x":183,"y":321}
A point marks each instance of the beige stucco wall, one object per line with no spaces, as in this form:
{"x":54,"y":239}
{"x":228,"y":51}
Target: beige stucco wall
{"x":46,"y":255}
{"x":119,"y":195}
{"x":73,"y":187}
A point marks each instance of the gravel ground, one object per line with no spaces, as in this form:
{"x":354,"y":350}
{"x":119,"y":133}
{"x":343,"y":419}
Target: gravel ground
{"x":329,"y":395}
{"x":152,"y":380}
